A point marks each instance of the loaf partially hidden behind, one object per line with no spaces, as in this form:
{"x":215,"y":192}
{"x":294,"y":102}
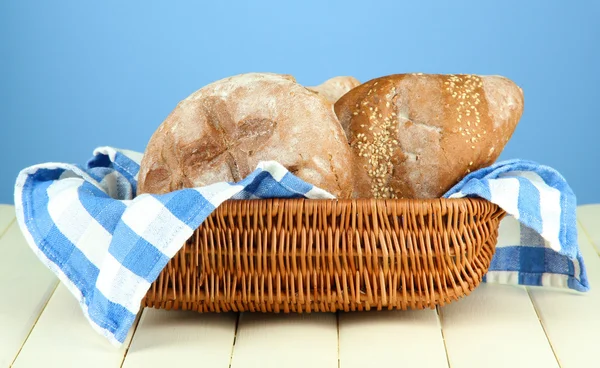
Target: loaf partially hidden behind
{"x":221,"y":132}
{"x":415,"y":135}
{"x":334,"y":88}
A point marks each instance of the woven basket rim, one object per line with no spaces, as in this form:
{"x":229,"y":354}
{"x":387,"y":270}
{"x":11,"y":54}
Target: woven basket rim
{"x":379,"y":200}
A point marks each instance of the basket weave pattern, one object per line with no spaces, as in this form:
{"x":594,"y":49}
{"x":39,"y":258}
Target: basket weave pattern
{"x":327,"y":255}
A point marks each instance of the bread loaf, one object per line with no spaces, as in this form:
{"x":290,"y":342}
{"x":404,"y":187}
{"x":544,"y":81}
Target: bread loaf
{"x":221,"y":132}
{"x":334,"y":88}
{"x":415,"y":135}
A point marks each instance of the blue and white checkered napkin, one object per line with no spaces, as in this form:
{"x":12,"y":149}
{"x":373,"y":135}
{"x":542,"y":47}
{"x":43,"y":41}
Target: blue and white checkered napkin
{"x":107,"y":245}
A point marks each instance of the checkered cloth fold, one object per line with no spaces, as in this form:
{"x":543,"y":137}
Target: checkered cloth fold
{"x":108,"y":245}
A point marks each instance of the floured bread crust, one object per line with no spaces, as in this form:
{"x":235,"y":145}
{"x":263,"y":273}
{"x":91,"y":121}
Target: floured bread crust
{"x":221,"y":132}
{"x":334,"y":88}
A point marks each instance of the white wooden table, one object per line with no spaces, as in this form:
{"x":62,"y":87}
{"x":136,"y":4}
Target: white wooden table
{"x":496,"y":326}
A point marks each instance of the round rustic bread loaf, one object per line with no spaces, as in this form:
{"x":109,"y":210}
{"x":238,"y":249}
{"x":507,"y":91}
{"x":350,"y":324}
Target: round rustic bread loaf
{"x":334,"y":88}
{"x":221,"y":132}
{"x":415,"y":135}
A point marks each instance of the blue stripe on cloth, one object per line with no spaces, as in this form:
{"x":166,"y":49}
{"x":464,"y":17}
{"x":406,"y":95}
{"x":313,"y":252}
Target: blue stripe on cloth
{"x":581,"y":283}
{"x":126,"y":166}
{"x":568,"y":221}
{"x":300,"y":186}
{"x":136,"y":254}
{"x":506,"y":259}
{"x":263,"y":184}
{"x":72,"y":262}
{"x":187,"y":205}
{"x":98,"y":173}
{"x":530,"y":237}
{"x":475,"y":186}
{"x":182,"y":202}
{"x":37,"y":213}
{"x":105,"y":210}
{"x":533,"y":262}
{"x":110,"y":316}
{"x":122,"y":164}
{"x":99,"y":161}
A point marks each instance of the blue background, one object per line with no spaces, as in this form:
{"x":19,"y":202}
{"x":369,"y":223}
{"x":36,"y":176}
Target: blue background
{"x":76,"y":76}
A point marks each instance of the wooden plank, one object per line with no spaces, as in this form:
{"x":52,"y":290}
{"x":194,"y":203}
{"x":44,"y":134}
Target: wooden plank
{"x":292,"y":340}
{"x":495,"y":321}
{"x":63,"y":337}
{"x":204,"y":339}
{"x":7,"y":216}
{"x":391,"y":339}
{"x":571,"y":319}
{"x":25,"y":287}
{"x":589,"y":217}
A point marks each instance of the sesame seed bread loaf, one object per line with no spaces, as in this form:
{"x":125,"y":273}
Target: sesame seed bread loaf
{"x":334,"y":88}
{"x":221,"y":132}
{"x":415,"y":135}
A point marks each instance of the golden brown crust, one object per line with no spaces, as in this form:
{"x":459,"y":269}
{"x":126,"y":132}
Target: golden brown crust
{"x":221,"y":132}
{"x":415,"y":135}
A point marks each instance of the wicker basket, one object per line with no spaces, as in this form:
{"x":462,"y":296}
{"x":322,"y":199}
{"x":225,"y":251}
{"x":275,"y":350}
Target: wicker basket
{"x":327,"y":255}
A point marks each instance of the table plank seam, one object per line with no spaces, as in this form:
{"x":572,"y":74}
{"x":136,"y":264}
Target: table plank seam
{"x":237,"y":324}
{"x":34,"y":323}
{"x":135,"y":326}
{"x":8,"y":226}
{"x":589,"y":238}
{"x":537,"y":313}
{"x":337,"y":321}
{"x":439,"y":319}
